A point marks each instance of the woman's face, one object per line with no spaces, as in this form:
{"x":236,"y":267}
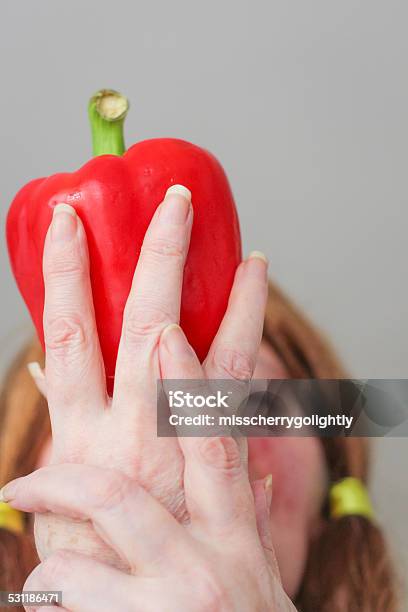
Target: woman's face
{"x":299,"y":485}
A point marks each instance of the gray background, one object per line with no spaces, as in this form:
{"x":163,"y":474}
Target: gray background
{"x":304,"y":103}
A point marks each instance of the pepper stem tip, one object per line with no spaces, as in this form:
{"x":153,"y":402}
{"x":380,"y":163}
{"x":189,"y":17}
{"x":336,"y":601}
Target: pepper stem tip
{"x":110,"y":104}
{"x":107,"y":110}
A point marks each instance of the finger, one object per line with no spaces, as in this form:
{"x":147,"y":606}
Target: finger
{"x":178,"y":362}
{"x":177,"y":358}
{"x":234,"y":350}
{"x":37,"y":374}
{"x":90,"y":586}
{"x":262,"y":492}
{"x":141,"y":531}
{"x":86,"y":584}
{"x":208,"y":469}
{"x":154,"y":299}
{"x":74,"y":368}
{"x":217,"y":489}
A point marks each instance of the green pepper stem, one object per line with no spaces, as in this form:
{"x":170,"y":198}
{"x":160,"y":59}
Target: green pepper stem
{"x":107,"y":110}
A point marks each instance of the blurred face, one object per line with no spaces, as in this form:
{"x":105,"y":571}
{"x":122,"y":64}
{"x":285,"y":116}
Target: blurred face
{"x":299,"y":485}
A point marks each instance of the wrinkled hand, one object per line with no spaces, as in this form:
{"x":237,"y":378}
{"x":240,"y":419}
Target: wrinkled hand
{"x":120,"y":432}
{"x":222,"y":560}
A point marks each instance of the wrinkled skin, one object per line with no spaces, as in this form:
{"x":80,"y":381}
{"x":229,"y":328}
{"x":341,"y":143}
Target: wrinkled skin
{"x":120,"y":433}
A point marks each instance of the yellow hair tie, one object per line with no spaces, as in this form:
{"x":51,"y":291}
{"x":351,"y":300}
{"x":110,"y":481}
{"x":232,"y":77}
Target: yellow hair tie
{"x":349,"y":497}
{"x":11,"y":519}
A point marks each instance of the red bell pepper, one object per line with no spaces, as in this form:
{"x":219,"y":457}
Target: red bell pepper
{"x":116,"y":194}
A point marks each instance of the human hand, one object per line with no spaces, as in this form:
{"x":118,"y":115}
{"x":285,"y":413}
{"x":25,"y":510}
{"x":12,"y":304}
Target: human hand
{"x":120,"y":432}
{"x":222,"y":560}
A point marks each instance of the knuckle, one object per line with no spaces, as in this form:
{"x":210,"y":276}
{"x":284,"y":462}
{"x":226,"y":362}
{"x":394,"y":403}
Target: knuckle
{"x":233,"y":363}
{"x":55,"y":569}
{"x":163,"y":248}
{"x":67,"y":263}
{"x":112,"y":491}
{"x":64,"y":333}
{"x":222,"y":454}
{"x":143,"y":320}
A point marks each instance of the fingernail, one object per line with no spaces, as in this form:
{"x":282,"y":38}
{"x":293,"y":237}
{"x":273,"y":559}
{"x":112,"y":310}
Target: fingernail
{"x":258,"y":255}
{"x":268,"y":490}
{"x":181,"y":190}
{"x":175,"y":341}
{"x":176,"y":205}
{"x":258,"y":264}
{"x":64,"y":223}
{"x":35,"y":370}
{"x":7,"y":492}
